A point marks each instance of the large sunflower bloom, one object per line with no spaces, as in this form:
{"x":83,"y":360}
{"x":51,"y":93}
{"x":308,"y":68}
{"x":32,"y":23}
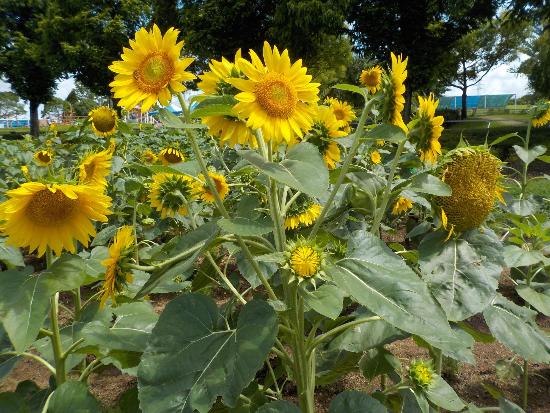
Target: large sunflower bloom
{"x":115,"y":275}
{"x":95,"y":167}
{"x":393,"y":85}
{"x":169,"y":193}
{"x":43,"y":157}
{"x":427,"y":130}
{"x":277,"y":97}
{"x":371,"y":78}
{"x":103,"y":120}
{"x":41,"y":216}
{"x":171,"y":155}
{"x":150,"y":69}
{"x":343,"y":112}
{"x":201,"y":190}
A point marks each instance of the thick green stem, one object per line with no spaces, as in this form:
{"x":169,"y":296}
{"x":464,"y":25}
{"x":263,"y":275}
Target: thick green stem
{"x":381,"y":210}
{"x":525,"y":164}
{"x":60,"y":373}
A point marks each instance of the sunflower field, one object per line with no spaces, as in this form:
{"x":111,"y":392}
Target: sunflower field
{"x":262,"y":220}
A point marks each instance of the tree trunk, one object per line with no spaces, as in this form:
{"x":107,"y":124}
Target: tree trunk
{"x":464,"y":112}
{"x":34,"y":124}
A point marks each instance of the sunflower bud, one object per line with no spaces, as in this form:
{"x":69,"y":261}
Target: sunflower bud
{"x":304,"y":258}
{"x":421,"y":373}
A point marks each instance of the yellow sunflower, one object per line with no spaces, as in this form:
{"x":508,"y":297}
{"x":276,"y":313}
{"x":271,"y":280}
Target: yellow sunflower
{"x":380,"y":142}
{"x":375,"y":157}
{"x":148,"y":156}
{"x":371,"y":78}
{"x":393,"y":85}
{"x":277,"y":97}
{"x":116,"y":277}
{"x":43,"y":157}
{"x":26,"y":173}
{"x":230,"y":131}
{"x":150,"y":70}
{"x":542,"y":116}
{"x":95,"y":167}
{"x":343,"y":112}
{"x":324,"y":130}
{"x":170,"y":193}
{"x":103,"y":120}
{"x":39,"y":216}
{"x":427,"y":130}
{"x":401,"y":205}
{"x":170,"y":155}
{"x":215,"y":82}
{"x":304,"y":211}
{"x":201,"y":190}
{"x":304,"y":259}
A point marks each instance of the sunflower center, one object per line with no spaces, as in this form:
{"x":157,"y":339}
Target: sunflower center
{"x":44,"y":156}
{"x":104,"y":120}
{"x":89,"y":168}
{"x":154,"y":73}
{"x":339,"y":113}
{"x":305,"y":261}
{"x":276,"y":95}
{"x":173,"y":157}
{"x":371,"y":78}
{"x":50,"y":208}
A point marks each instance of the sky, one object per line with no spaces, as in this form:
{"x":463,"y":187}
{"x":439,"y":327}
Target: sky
{"x":498,"y":81}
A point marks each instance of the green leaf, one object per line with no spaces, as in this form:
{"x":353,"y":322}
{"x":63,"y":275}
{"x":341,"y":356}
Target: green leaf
{"x":351,"y":88}
{"x":477,"y":335}
{"x":443,"y":395}
{"x":327,"y":300}
{"x":508,"y":370}
{"x":170,"y":120}
{"x":378,"y":361}
{"x":387,"y":132}
{"x":215,"y":109}
{"x":515,"y":327}
{"x":352,"y":401}
{"x":104,"y":236}
{"x":539,"y":300}
{"x":186,"y":168}
{"x":246,"y":226}
{"x":506,"y":406}
{"x":515,"y":256}
{"x":523,"y":207}
{"x":381,"y":281}
{"x":193,"y":358}
{"x":503,"y":138}
{"x":73,"y":397}
{"x":279,"y":406}
{"x":10,"y":256}
{"x":531,"y":154}
{"x":429,"y":184}
{"x":302,"y":169}
{"x":331,"y":365}
{"x":544,"y":158}
{"x":462,"y":273}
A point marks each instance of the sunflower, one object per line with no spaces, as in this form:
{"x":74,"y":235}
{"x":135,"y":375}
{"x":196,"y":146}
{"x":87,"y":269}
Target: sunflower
{"x":393,"y":86}
{"x":542,"y":115}
{"x":401,"y":205}
{"x":170,"y":155}
{"x":201,"y":190}
{"x":95,"y":167}
{"x":230,"y":131}
{"x":343,"y":112}
{"x":371,"y":78}
{"x":103,"y":120}
{"x":304,"y":259}
{"x":148,"y":156}
{"x":375,"y":157}
{"x":150,"y":70}
{"x":26,"y":173}
{"x":380,"y":142}
{"x":115,"y":275}
{"x":474,"y":177}
{"x":427,"y":130}
{"x":325,"y":128}
{"x":304,"y":211}
{"x":215,"y":82}
{"x":277,"y":97}
{"x":421,"y":373}
{"x":169,"y":193}
{"x":43,"y":157}
{"x":41,"y":216}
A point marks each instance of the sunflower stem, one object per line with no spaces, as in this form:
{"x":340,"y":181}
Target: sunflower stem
{"x":359,"y":133}
{"x":525,"y":164}
{"x":379,"y":214}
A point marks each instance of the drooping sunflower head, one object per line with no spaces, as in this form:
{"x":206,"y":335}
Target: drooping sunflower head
{"x":343,"y":112}
{"x":171,"y":155}
{"x":230,"y":131}
{"x":95,"y":168}
{"x":401,"y":205}
{"x":324,"y":130}
{"x":303,"y":212}
{"x":170,"y":194}
{"x":40,"y":216}
{"x":474,"y":175}
{"x":148,"y":156}
{"x":150,"y":70}
{"x":43,"y":157}
{"x":103,"y":120}
{"x":304,"y":258}
{"x":427,"y":130}
{"x":116,"y":275}
{"x":371,"y":78}
{"x":541,"y":114}
{"x":201,"y":189}
{"x":393,"y":87}
{"x":421,"y":373}
{"x":277,"y":95}
{"x":375,"y":157}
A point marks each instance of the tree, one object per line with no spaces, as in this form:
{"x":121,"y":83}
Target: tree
{"x":480,"y":50}
{"x":425,"y":32}
{"x":11,"y":105}
{"x":56,"y":107}
{"x":533,"y":10}
{"x":82,"y":100}
{"x":537,"y":66}
{"x":25,"y":58}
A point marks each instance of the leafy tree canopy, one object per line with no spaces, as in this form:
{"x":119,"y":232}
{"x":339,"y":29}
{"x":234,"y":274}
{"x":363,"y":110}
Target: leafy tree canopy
{"x":11,"y":105}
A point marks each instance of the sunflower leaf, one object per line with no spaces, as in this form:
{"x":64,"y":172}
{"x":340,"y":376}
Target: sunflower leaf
{"x":351,"y":88}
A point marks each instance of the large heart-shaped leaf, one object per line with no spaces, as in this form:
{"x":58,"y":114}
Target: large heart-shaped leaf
{"x":381,"y":281}
{"x":351,"y":401}
{"x":302,"y":169}
{"x":193,"y":358}
{"x":538,"y":295}
{"x":515,"y":327}
{"x":528,"y":156}
{"x":429,"y":184}
{"x":73,"y":397}
{"x":462,"y":273}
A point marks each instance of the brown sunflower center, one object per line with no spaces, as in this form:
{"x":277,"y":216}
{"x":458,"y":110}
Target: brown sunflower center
{"x":44,"y":156}
{"x":339,"y":113}
{"x":371,"y":78}
{"x":173,"y":156}
{"x":154,"y":72}
{"x":104,"y":120}
{"x":276,"y":95}
{"x":50,"y":208}
{"x":89,"y":168}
